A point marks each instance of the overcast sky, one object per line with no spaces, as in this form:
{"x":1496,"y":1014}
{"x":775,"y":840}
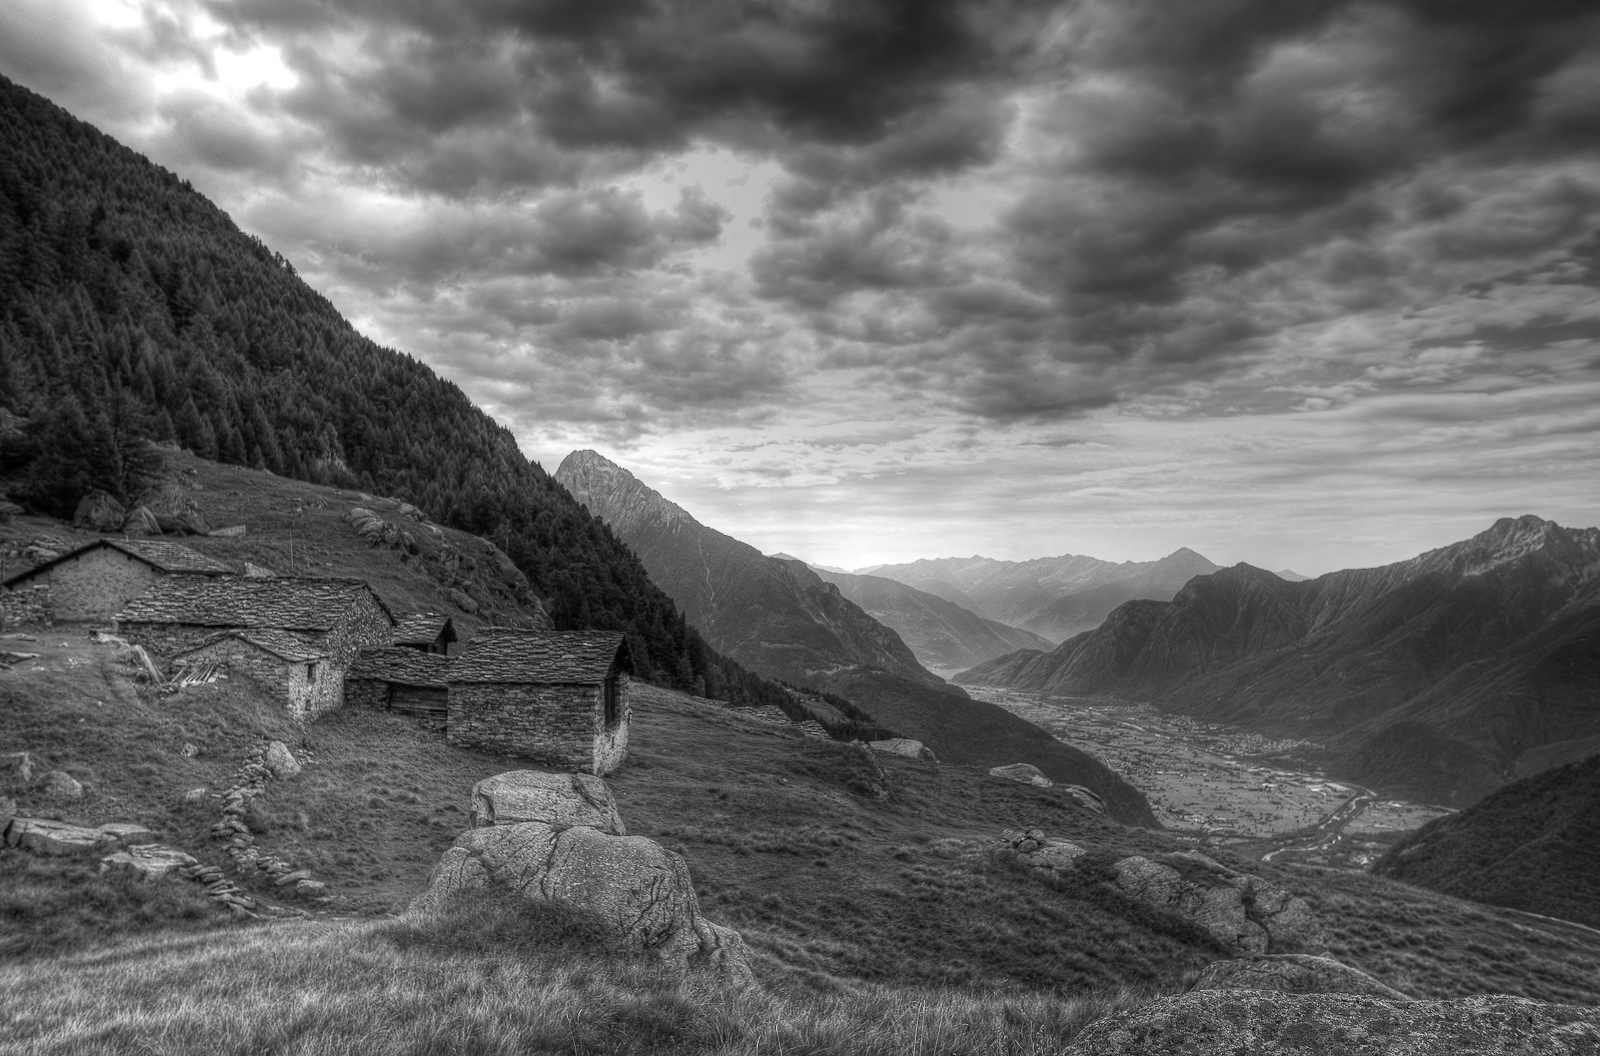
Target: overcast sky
{"x":1311,"y":285}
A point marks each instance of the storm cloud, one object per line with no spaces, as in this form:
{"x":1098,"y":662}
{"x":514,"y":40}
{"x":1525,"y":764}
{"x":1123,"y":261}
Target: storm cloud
{"x":1017,"y":241}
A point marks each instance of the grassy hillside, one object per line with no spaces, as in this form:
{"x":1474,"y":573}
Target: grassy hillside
{"x":1533,"y":845}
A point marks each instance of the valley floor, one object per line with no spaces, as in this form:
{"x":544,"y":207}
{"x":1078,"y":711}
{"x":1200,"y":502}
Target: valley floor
{"x":1223,"y":785}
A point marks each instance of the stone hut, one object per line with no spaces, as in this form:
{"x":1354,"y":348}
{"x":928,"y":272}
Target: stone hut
{"x":396,"y":678}
{"x":98,"y":579}
{"x":426,"y":631}
{"x":336,"y":618}
{"x":558,"y":697}
{"x":296,"y":673}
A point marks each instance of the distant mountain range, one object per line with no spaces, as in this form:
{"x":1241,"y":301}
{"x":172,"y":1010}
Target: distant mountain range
{"x":943,"y":635}
{"x":1533,"y":845}
{"x":781,"y":619}
{"x":1440,"y":677}
{"x":1055,"y":597}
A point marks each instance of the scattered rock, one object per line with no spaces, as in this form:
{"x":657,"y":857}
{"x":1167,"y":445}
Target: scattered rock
{"x":54,"y":838}
{"x":189,"y":751}
{"x":58,"y":784}
{"x":186,"y":523}
{"x":141,"y":520}
{"x":279,"y":762}
{"x":904,"y":746}
{"x":292,"y":878}
{"x":255,"y":571}
{"x":640,"y":889}
{"x":17,"y":767}
{"x":311,"y":889}
{"x":462,"y":601}
{"x":1293,"y":973}
{"x":1247,"y":1022}
{"x":149,"y":861}
{"x":1026,"y":773}
{"x":127,"y":834}
{"x":195,"y":795}
{"x":1085,"y":797}
{"x":232,"y":531}
{"x":98,"y":510}
{"x":559,"y":800}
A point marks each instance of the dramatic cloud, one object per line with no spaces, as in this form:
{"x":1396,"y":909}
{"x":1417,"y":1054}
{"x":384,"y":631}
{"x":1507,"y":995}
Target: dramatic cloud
{"x":1302,"y":283}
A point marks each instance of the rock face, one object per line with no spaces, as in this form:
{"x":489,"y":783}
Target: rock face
{"x":1241,"y":911}
{"x":280,"y":762}
{"x":558,"y":800}
{"x":98,"y":510}
{"x":1248,"y":1022}
{"x":1026,"y":773}
{"x":640,"y":889}
{"x":1293,"y":973}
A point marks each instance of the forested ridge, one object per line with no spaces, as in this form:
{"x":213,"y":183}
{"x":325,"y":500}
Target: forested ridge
{"x":133,"y":309}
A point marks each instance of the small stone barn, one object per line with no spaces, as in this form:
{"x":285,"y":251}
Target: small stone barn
{"x":334,"y":617}
{"x":395,"y":678}
{"x":296,"y":673}
{"x":558,"y":697}
{"x":425,"y":631}
{"x":97,"y":579}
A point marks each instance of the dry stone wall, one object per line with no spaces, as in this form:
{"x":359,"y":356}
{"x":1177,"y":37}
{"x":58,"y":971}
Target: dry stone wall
{"x":25,"y":607}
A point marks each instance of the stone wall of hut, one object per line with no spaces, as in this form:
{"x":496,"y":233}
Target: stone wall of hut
{"x":558,"y":725}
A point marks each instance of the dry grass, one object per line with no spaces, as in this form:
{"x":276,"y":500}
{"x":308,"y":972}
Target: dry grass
{"x":478,"y":986}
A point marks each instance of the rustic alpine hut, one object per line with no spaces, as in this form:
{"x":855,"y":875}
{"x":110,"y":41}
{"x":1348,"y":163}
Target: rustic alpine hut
{"x":95,"y":581}
{"x":286,"y":666}
{"x":425,"y":631}
{"x":558,"y":697}
{"x":333,"y":618}
{"x":397,"y":678}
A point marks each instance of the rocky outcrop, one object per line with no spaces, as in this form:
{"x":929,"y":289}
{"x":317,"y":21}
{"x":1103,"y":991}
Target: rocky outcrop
{"x":1038,"y":851}
{"x":1250,"y":1022}
{"x":141,"y":520}
{"x":99,"y":511}
{"x":1293,"y":973}
{"x":1241,"y":911}
{"x":1026,"y":773}
{"x":558,"y":800}
{"x":376,"y":531}
{"x":911,"y":749}
{"x":49,"y":838}
{"x":1086,"y":798}
{"x":148,"y":861}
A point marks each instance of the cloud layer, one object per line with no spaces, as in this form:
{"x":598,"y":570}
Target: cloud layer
{"x":1041,"y":276}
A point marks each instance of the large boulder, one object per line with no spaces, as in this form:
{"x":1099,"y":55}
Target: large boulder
{"x":280,"y":762}
{"x":98,"y":510}
{"x":58,"y":784}
{"x":55,"y":838}
{"x":148,"y":861}
{"x":558,"y":800}
{"x":1252,"y":1022}
{"x":141,"y":520}
{"x":1026,"y":773}
{"x":1241,"y":911}
{"x":641,"y":890}
{"x":1293,"y":973}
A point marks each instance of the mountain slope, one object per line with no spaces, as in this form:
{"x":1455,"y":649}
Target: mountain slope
{"x":943,"y":635}
{"x":1055,"y":597}
{"x":785,"y":621}
{"x":133,"y":309}
{"x":1533,"y":845}
{"x":1432,"y":676}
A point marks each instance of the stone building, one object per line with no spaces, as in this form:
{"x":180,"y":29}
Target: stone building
{"x":427,"y":631}
{"x":287,"y":667}
{"x":334,"y":617}
{"x":395,"y":678}
{"x":558,"y":697}
{"x":98,"y":579}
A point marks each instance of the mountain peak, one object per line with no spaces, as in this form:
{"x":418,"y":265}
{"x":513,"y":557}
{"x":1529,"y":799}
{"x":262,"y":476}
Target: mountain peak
{"x":600,"y":483}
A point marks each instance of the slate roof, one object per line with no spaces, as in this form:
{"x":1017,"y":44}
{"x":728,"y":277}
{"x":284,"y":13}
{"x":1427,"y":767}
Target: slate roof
{"x":408,"y":667}
{"x":281,"y":644}
{"x":504,"y":654}
{"x":284,"y":602}
{"x":163,"y":556}
{"x":423,"y":628}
